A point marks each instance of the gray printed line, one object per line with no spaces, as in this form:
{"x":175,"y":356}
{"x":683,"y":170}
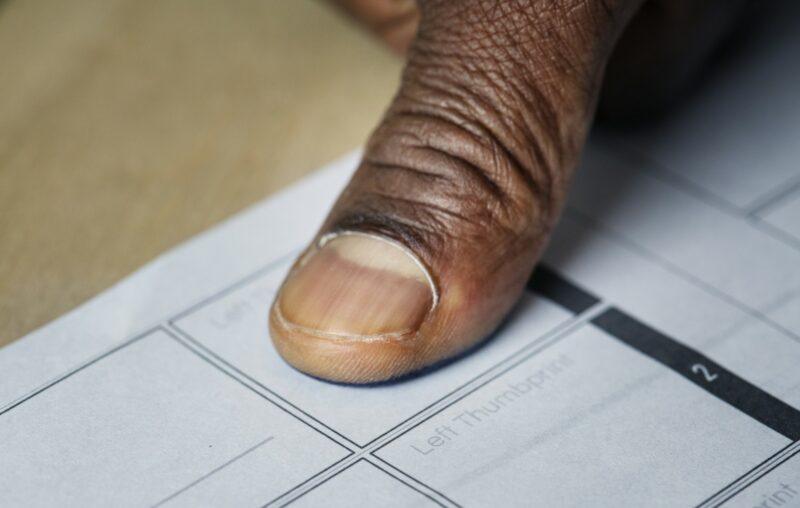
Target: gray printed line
{"x":213,"y":471}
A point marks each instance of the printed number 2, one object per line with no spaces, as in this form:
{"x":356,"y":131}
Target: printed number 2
{"x":699,"y":368}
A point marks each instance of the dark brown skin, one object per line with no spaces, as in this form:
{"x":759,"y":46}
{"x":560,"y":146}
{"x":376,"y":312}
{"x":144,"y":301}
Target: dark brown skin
{"x":471,"y":163}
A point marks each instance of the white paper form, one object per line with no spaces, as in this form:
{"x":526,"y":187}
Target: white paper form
{"x":654,"y":361}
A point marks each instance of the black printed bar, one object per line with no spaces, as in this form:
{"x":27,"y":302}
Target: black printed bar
{"x":703,"y":372}
{"x":552,"y":286}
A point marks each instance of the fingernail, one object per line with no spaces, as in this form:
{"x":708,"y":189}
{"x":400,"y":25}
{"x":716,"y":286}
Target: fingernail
{"x":357,"y":287}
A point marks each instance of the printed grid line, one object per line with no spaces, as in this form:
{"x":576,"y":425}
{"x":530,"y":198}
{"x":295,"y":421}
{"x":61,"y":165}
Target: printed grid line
{"x":358,"y":451}
{"x":751,"y":213}
{"x":553,"y":284}
{"x":758,"y":471}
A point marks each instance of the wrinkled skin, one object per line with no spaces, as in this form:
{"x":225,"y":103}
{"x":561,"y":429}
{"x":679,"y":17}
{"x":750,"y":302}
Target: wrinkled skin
{"x":471,"y":163}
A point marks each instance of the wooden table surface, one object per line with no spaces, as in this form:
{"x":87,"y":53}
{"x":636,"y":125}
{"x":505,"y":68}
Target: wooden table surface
{"x":127,"y":126}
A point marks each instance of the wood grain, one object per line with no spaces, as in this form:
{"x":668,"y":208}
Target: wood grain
{"x":127,"y":126}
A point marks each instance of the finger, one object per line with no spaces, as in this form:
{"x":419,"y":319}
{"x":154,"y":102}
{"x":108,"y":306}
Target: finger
{"x":431,"y":243}
{"x":392,"y":21}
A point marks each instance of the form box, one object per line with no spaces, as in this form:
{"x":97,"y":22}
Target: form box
{"x":363,"y":484}
{"x":149,"y":423}
{"x":785,"y":216}
{"x":588,"y":418}
{"x":233,"y":326}
{"x":674,"y":228}
{"x":744,"y":342}
{"x":778,"y":487}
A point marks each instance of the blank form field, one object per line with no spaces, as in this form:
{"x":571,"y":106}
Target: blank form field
{"x":152,"y":423}
{"x":363,"y":484}
{"x":785,"y":216}
{"x":234,"y":327}
{"x":589,"y":418}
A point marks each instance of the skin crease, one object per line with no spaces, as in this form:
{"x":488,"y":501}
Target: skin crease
{"x":469,"y":167}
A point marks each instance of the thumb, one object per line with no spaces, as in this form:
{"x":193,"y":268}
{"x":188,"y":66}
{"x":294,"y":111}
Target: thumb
{"x":431,"y":243}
